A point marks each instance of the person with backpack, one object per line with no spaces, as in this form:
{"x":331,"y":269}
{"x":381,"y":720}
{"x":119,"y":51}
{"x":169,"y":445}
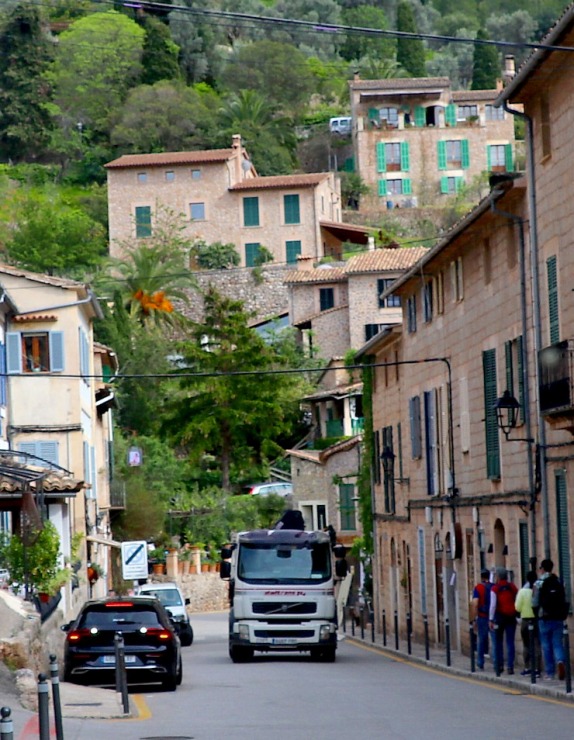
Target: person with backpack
{"x":549,"y":600}
{"x":479,"y":607}
{"x":502,"y":615}
{"x":529,"y":626}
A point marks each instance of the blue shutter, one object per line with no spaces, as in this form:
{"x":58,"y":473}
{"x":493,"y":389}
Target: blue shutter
{"x":441,"y":151}
{"x":57,"y":351}
{"x":3,"y":395}
{"x":13,"y":352}
{"x":143,"y":221}
{"x":48,"y":450}
{"x":94,"y":474}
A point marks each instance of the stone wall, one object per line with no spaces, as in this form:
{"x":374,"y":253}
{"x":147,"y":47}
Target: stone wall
{"x":207,"y":592}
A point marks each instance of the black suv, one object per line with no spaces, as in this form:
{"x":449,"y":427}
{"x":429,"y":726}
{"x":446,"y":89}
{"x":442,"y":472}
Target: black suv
{"x":152,"y":647}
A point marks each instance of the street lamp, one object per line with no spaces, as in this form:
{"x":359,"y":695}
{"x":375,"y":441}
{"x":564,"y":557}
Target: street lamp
{"x":388,"y":458}
{"x":506,"y":408}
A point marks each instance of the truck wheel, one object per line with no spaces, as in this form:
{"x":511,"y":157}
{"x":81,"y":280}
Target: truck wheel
{"x":328,"y":654}
{"x":186,"y":636}
{"x":240,"y":654}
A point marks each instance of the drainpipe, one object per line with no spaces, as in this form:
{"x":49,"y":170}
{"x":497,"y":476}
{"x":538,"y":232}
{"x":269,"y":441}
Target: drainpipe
{"x":532,"y":213}
{"x":518,"y":221}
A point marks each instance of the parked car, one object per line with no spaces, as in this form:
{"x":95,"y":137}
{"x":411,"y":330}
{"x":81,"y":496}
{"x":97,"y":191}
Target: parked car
{"x":173,"y":600}
{"x":341,"y":125}
{"x":266,"y":489}
{"x":152,"y":647}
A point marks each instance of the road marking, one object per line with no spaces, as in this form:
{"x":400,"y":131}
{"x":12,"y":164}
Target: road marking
{"x":474,"y":681}
{"x":144,"y":712}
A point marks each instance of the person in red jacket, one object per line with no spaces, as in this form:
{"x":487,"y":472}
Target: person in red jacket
{"x":503,"y":620}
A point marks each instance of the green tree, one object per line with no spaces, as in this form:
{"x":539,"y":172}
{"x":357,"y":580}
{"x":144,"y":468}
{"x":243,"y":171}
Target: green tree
{"x":359,"y":45}
{"x":160,"y":53}
{"x":486,"y":64}
{"x":237,"y":418}
{"x":98,"y":60}
{"x":25,"y":53}
{"x":54,"y":235}
{"x":216,"y":256}
{"x":410,"y":50}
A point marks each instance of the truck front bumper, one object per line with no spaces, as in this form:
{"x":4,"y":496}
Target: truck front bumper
{"x":267,"y":635}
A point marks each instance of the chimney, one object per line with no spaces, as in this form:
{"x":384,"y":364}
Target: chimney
{"x":237,"y":156}
{"x":509,"y":69}
{"x":371,"y":243}
{"x":304,"y":263}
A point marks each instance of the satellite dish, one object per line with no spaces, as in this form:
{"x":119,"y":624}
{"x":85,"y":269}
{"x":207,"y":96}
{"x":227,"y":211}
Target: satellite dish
{"x":246,"y":165}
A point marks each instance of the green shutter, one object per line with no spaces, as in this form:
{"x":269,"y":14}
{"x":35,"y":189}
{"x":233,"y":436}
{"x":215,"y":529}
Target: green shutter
{"x":519,"y":350}
{"x":349,"y":165}
{"x":381,"y":159}
{"x":464,"y":154}
{"x":524,"y":550}
{"x":441,"y":148}
{"x":382,"y":187}
{"x":420,"y":116}
{"x":405,"y":157}
{"x":143,"y":221}
{"x":251,"y":252}
{"x":450,"y":115}
{"x":347,"y":506}
{"x":492,"y":441}
{"x":374,"y":114}
{"x":488,"y":158}
{"x":458,"y":184}
{"x":407,"y":186}
{"x":251,"y":211}
{"x":292,"y":211}
{"x":563,"y":534}
{"x":508,"y":160}
{"x":509,"y":367}
{"x":293,"y":250}
{"x":553,"y":317}
{"x":444,"y":185}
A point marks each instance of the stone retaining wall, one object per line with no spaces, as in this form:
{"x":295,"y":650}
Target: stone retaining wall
{"x":206,"y":591}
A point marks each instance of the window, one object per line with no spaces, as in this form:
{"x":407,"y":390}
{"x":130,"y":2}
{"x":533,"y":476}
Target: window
{"x":197,"y":211}
{"x":391,"y":301}
{"x":143,"y":222}
{"x":388,"y":469}
{"x":251,"y":211}
{"x":251,"y":253}
{"x":499,"y":157}
{"x":142,"y":177}
{"x":315,"y":515}
{"x":35,"y":352}
{"x":491,"y":113}
{"x":427,"y":302}
{"x":393,"y":157}
{"x":457,"y":282}
{"x":490,"y":422}
{"x":347,"y":506}
{"x":415,"y":425}
{"x":46,"y":450}
{"x":432,"y":437}
{"x":170,"y":176}
{"x":326,"y":298}
{"x":439,"y":292}
{"x":390,"y":116}
{"x":412,"y":314}
{"x":451,"y":185}
{"x":84,"y":346}
{"x":463,"y":112}
{"x":291,"y":206}
{"x":545,"y":130}
{"x":552,"y":284}
{"x":292,"y":251}
{"x":453,"y":154}
{"x":372,"y":330}
{"x":196,"y":174}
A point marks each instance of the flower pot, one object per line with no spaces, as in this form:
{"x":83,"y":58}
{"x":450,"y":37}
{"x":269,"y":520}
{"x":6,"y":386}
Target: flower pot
{"x":158,"y":569}
{"x":192,"y":569}
{"x":205,"y":567}
{"x":93,"y":575}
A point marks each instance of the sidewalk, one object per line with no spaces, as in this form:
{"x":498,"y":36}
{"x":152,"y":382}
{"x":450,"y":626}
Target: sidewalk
{"x":459,"y":664}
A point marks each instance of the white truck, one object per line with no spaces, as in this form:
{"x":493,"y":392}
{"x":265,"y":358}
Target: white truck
{"x":281,"y":593}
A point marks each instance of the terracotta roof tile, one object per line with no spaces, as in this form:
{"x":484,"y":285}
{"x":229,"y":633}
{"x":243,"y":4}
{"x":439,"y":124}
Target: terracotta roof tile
{"x":40,"y":278}
{"x":385,"y":259}
{"x":324,"y":274}
{"x":282,"y":181}
{"x":401,"y":83}
{"x":34,"y":317}
{"x":170,"y":158}
{"x":459,"y":96}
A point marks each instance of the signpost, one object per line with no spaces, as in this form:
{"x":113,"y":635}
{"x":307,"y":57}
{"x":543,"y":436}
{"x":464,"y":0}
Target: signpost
{"x":134,"y":560}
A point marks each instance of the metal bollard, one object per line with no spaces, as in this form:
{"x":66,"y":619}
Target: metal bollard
{"x":568,"y":666}
{"x":344,"y":620}
{"x":447,"y":640}
{"x":409,"y":632}
{"x":384,"y":628}
{"x":472,"y":647}
{"x":533,"y":656}
{"x":353,"y":621}
{"x":497,"y":652}
{"x":396,"y":630}
{"x":427,"y":644}
{"x":55,"y":678}
{"x":362,"y":618}
{"x":372,"y":618}
{"x":43,"y":707}
{"x":121,"y":677}
{"x":6,"y":724}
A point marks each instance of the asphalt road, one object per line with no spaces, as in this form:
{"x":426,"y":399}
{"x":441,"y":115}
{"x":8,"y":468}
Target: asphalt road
{"x":364,"y":695}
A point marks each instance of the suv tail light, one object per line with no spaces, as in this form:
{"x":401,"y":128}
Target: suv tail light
{"x":76,"y":635}
{"x":159,"y":632}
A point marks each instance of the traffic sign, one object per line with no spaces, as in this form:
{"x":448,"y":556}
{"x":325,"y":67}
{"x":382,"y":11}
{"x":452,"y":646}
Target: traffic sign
{"x":134,"y":560}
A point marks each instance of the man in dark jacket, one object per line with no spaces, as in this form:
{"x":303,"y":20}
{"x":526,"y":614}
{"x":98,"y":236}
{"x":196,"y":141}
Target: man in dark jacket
{"x":550,"y":601}
{"x":503,"y":620}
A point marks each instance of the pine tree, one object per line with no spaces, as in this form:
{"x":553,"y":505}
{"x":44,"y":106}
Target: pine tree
{"x":24,"y":92}
{"x":410,"y":51}
{"x":486,"y":64}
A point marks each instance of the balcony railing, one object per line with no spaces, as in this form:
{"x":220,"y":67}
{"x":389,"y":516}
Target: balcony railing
{"x":556,"y":372}
{"x":334,"y":428}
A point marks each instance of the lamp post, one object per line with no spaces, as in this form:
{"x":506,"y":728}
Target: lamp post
{"x":506,"y":408}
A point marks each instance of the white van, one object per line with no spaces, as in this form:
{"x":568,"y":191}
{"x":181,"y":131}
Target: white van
{"x":172,"y":599}
{"x":341,"y":125}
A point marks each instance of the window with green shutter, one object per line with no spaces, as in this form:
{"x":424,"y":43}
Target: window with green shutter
{"x":292,"y":212}
{"x":407,"y":186}
{"x":441,"y":153}
{"x":420,"y":116}
{"x":251,"y":211}
{"x":143,"y":222}
{"x":251,"y":252}
{"x":524,"y":550}
{"x":450,"y":115}
{"x":382,"y":187}
{"x":292,"y":251}
{"x":381,"y":159}
{"x":552,"y":282}
{"x":347,"y":506}
{"x":374,"y":115}
{"x":326,"y":298}
{"x":405,"y":156}
{"x":564,"y":568}
{"x":490,"y":424}
{"x":464,"y":154}
{"x":509,"y":160}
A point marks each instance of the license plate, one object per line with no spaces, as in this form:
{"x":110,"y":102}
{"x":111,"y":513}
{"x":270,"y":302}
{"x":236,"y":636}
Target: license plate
{"x":283,"y":640}
{"x":111,"y":659}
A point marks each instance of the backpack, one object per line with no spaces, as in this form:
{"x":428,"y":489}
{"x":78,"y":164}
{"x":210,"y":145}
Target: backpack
{"x":483,"y":599}
{"x":505,"y":598}
{"x":552,"y":599}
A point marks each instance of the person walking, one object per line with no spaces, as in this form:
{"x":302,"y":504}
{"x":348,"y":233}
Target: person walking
{"x":549,"y":600}
{"x":502,"y":614}
{"x":479,"y":608}
{"x":528,"y":626}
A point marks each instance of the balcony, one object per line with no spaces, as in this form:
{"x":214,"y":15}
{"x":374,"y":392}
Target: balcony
{"x":556,"y":372}
{"x":334,"y":428}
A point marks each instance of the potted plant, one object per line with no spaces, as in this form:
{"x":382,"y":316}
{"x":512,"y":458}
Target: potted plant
{"x":157,"y":560}
{"x":94,"y":572}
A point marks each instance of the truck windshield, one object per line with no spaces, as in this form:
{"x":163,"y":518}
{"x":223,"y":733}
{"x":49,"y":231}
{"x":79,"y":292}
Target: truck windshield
{"x":284,"y":563}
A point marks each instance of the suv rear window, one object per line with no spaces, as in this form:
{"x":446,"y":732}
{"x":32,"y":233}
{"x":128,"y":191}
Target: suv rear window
{"x":108,"y":618}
